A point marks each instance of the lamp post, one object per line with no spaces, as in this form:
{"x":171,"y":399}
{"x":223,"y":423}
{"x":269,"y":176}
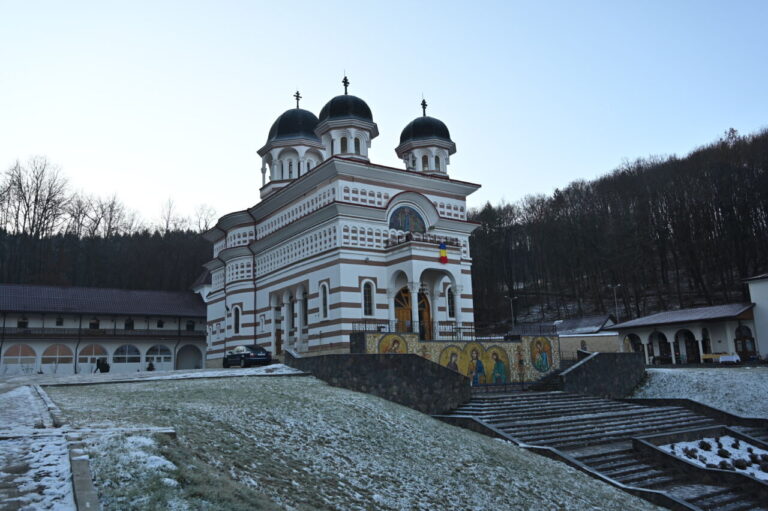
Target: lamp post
{"x":615,"y":300}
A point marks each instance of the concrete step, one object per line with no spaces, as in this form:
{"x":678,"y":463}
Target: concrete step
{"x":542,"y":432}
{"x":615,"y":435}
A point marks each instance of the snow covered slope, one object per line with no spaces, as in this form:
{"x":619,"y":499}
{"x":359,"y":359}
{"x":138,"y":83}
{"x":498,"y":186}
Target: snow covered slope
{"x":299,"y":444}
{"x":739,"y":390}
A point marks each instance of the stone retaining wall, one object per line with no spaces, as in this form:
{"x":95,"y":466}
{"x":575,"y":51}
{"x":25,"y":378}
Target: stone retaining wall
{"x":409,"y":380}
{"x":611,"y":375}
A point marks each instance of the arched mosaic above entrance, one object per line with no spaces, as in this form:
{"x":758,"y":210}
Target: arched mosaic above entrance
{"x":407,"y":219}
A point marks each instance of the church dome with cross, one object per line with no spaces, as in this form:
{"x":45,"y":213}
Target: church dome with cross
{"x":293,"y":148}
{"x":292,"y":124}
{"x":346,"y":126}
{"x":425,"y":144}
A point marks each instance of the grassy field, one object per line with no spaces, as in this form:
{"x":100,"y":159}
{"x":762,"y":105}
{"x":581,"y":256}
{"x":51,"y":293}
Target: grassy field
{"x":295,"y":443}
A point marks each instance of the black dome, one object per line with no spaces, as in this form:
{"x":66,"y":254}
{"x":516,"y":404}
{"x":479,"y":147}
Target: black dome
{"x":294,"y":123}
{"x":346,"y":106}
{"x":425,"y":127}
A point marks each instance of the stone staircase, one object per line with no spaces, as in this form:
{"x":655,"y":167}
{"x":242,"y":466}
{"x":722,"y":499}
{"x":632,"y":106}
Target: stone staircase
{"x":597,"y":432}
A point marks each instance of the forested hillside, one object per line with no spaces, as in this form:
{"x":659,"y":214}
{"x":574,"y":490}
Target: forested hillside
{"x":52,"y":235}
{"x":661,"y":233}
{"x":672,"y":233}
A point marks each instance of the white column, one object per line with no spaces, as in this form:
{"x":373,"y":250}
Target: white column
{"x":413,"y":287}
{"x":273,"y":329}
{"x":672,"y":349}
{"x":286,"y":321}
{"x":700,"y":342}
{"x":300,"y":317}
{"x":645,"y":351}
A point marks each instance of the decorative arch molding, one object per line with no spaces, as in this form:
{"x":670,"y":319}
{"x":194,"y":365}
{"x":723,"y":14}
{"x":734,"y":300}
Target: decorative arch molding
{"x":418,"y":202}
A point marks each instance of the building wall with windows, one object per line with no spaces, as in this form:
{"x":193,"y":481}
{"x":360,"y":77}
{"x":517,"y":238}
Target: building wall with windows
{"x":40,"y":333}
{"x":341,"y":244}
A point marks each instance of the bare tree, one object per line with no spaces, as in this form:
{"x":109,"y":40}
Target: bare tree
{"x":205,"y":216}
{"x":167,"y":214}
{"x":36,"y":196}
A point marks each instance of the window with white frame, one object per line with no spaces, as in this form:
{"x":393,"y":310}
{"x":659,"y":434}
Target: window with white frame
{"x":324,"y":300}
{"x":236,"y":320}
{"x":451,"y":303}
{"x":368,"y":298}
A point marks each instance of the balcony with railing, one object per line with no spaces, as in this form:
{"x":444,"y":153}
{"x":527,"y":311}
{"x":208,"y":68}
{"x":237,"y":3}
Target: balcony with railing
{"x":409,"y":237}
{"x":62,"y":332}
{"x":427,"y":331}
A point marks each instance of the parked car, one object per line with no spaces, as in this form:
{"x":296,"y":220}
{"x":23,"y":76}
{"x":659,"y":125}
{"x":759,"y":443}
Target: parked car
{"x":244,"y":356}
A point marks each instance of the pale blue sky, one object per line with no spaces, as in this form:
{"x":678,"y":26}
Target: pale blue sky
{"x":158,"y":99}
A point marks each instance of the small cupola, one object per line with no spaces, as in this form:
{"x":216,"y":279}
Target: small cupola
{"x":346,"y":126}
{"x":425,"y":144}
{"x":292,"y":147}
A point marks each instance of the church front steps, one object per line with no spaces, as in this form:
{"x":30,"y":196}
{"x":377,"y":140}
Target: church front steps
{"x":597,"y":432}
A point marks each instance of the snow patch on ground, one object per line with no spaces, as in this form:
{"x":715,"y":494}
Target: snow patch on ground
{"x":35,"y":473}
{"x":53,"y":379}
{"x":21,"y":408}
{"x":703,"y":457}
{"x":738,"y":390}
{"x":130,"y":472}
{"x":299,"y":444}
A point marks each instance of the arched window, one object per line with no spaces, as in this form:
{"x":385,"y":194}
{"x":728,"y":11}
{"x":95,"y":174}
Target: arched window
{"x":290,"y":170}
{"x":158,"y":353}
{"x":21,"y":354}
{"x":343,"y":145}
{"x":368,"y":299}
{"x":91,"y":353}
{"x":451,"y":303}
{"x":304,"y":307}
{"x":324,"y":300}
{"x":425,"y":162}
{"x":437,"y":163}
{"x":128,"y":324}
{"x":333,"y":147}
{"x":357,"y":146}
{"x":236,"y":323}
{"x":309,"y":165}
{"x":126,"y":354}
{"x":413,"y":161}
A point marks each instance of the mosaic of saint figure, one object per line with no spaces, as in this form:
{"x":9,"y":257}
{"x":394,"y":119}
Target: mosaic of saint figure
{"x":453,"y":362}
{"x":541,"y":354}
{"x":499,"y":375}
{"x":407,"y":219}
{"x":392,"y":344}
{"x":476,"y":369}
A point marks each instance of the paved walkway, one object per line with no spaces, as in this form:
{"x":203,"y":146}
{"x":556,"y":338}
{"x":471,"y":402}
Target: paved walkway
{"x":34,"y":458}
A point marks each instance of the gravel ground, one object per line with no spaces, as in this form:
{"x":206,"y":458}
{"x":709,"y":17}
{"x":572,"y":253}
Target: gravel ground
{"x":299,"y":444}
{"x":739,"y":390}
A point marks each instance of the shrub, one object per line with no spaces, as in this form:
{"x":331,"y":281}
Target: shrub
{"x":725,"y":465}
{"x":736,"y":444}
{"x":764,"y":466}
{"x":740,"y":464}
{"x":723,"y":453}
{"x":754,"y":458}
{"x":705,"y":445}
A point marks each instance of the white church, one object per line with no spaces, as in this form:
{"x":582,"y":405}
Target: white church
{"x":339,"y":244}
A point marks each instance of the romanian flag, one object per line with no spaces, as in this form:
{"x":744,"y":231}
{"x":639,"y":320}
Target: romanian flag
{"x":443,"y":253}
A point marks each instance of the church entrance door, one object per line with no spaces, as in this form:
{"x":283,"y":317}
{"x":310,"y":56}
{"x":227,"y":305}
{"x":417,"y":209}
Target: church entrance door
{"x":403,"y":310}
{"x":403,"y":314}
{"x":425,"y":318}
